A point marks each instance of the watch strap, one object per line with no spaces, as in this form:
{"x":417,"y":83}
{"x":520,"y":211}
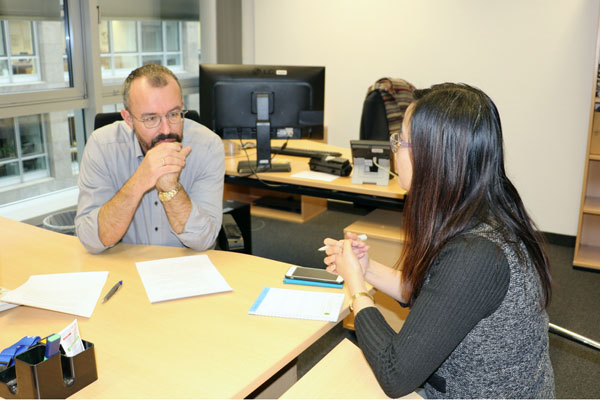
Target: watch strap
{"x":166,"y":196}
{"x":357,"y":295}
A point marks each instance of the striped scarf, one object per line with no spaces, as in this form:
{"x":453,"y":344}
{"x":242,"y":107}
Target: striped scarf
{"x":397,"y":95}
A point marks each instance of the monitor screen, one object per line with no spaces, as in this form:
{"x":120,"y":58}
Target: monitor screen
{"x":262,"y":102}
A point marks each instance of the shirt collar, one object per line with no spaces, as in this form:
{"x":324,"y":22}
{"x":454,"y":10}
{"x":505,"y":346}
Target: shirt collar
{"x":136,"y":144}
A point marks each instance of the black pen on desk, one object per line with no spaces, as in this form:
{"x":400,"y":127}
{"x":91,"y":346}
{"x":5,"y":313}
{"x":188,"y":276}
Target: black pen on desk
{"x":112,"y":291}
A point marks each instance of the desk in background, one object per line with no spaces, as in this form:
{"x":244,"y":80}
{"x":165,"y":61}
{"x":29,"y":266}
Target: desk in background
{"x":315,"y":193}
{"x":200,"y":347}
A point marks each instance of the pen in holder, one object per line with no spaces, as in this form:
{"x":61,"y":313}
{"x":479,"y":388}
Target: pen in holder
{"x":58,"y":377}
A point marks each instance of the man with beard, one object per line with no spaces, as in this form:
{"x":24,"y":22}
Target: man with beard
{"x":154,"y":178}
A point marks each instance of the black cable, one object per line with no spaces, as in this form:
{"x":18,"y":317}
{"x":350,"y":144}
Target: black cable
{"x":254,"y":171}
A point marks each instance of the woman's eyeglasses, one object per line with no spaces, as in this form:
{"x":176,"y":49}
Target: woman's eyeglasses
{"x":396,"y":143}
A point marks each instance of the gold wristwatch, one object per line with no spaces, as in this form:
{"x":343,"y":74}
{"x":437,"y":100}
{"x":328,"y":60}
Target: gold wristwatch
{"x":166,"y":196}
{"x":356,"y":296}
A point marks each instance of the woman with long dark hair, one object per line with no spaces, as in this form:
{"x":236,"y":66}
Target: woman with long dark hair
{"x":472,"y":269}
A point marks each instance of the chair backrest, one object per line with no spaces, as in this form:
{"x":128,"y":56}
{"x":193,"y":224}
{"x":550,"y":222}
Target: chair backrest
{"x":108,"y":118}
{"x":384,"y":107}
{"x":373,"y":122}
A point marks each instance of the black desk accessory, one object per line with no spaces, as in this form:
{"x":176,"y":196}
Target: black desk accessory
{"x":290,"y":151}
{"x":58,"y":377}
{"x":371,"y":161}
{"x":235,"y":240}
{"x":331,"y":165}
{"x":240,"y":212}
{"x":250,"y":167}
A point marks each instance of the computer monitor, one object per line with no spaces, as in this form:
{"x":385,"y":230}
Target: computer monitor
{"x":262,"y":102}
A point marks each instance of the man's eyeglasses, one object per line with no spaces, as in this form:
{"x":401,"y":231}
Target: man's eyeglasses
{"x":153,"y":120}
{"x":396,"y":143}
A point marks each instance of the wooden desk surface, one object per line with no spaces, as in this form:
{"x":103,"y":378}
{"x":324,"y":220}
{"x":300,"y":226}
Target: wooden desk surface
{"x":298,"y":164}
{"x":342,"y":374}
{"x":200,"y":347}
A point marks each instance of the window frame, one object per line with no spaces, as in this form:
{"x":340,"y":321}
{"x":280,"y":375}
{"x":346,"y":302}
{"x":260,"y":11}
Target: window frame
{"x":17,"y":104}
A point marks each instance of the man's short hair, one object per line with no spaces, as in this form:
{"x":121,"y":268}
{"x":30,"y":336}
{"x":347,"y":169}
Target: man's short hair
{"x":156,"y":75}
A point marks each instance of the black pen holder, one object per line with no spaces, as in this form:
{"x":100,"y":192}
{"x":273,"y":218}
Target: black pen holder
{"x":58,"y":377}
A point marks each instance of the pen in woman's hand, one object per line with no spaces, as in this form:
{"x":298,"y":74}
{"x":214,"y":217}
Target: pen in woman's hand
{"x":112,"y":291}
{"x":362,"y":237}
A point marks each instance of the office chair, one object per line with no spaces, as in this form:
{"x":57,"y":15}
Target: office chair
{"x":223,"y":239}
{"x":384,"y":107}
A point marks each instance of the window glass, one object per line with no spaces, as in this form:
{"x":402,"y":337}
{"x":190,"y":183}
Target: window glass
{"x":192,"y":101}
{"x":21,"y":38}
{"x":148,"y":41}
{"x":104,"y":43}
{"x":33,"y":49}
{"x":34,"y":168}
{"x":35,"y":147}
{"x":24,"y":157}
{"x":172,"y":33}
{"x":24,"y":66}
{"x":112,"y":107}
{"x":173,"y":60}
{"x":151,"y":36}
{"x":199,"y":46}
{"x":4,"y":69}
{"x":30,"y":130}
{"x":105,"y":64}
{"x":8,"y":143}
{"x":2,"y":46}
{"x":124,"y":36}
{"x":126,"y":62}
{"x":21,"y":46}
{"x":157,"y":59}
{"x":9,"y":172}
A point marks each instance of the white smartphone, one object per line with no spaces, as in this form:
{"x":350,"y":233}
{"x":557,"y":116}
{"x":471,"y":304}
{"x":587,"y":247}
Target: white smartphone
{"x":313,"y":274}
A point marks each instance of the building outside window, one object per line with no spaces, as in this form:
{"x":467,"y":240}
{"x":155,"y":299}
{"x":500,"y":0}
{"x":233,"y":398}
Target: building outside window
{"x":23,"y":151}
{"x":124,"y":45}
{"x":19,"y":61}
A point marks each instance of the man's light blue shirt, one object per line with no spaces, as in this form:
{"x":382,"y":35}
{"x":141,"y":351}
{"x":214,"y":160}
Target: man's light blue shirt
{"x":111,"y":156}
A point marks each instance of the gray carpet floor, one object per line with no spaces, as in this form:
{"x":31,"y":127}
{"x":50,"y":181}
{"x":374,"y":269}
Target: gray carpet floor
{"x":575,"y":303}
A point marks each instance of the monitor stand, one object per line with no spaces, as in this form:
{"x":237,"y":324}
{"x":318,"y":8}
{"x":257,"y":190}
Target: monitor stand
{"x":250,"y":167}
{"x":263,"y":161}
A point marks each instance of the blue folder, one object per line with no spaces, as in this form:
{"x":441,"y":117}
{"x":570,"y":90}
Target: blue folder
{"x":313,"y":283}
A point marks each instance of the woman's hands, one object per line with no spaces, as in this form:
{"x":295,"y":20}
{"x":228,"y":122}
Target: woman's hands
{"x":354,"y":260}
{"x":349,"y":259}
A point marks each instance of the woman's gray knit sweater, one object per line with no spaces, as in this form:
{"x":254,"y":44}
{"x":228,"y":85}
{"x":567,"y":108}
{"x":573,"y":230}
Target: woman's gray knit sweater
{"x":476,"y":330}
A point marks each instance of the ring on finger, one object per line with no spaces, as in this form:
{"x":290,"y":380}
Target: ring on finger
{"x":164,"y":163}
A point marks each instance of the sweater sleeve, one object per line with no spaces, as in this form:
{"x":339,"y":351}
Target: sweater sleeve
{"x":467,"y":282}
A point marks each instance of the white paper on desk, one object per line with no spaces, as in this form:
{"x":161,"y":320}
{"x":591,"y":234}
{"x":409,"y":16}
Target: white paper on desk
{"x":314,"y":175}
{"x":179,"y":277}
{"x":5,"y":306}
{"x":302,"y":304}
{"x":71,"y":293}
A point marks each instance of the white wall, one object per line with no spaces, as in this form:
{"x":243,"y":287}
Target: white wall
{"x":534,"y":58}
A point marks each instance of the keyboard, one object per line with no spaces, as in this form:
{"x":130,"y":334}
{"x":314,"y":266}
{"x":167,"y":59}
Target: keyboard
{"x":304,"y":152}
